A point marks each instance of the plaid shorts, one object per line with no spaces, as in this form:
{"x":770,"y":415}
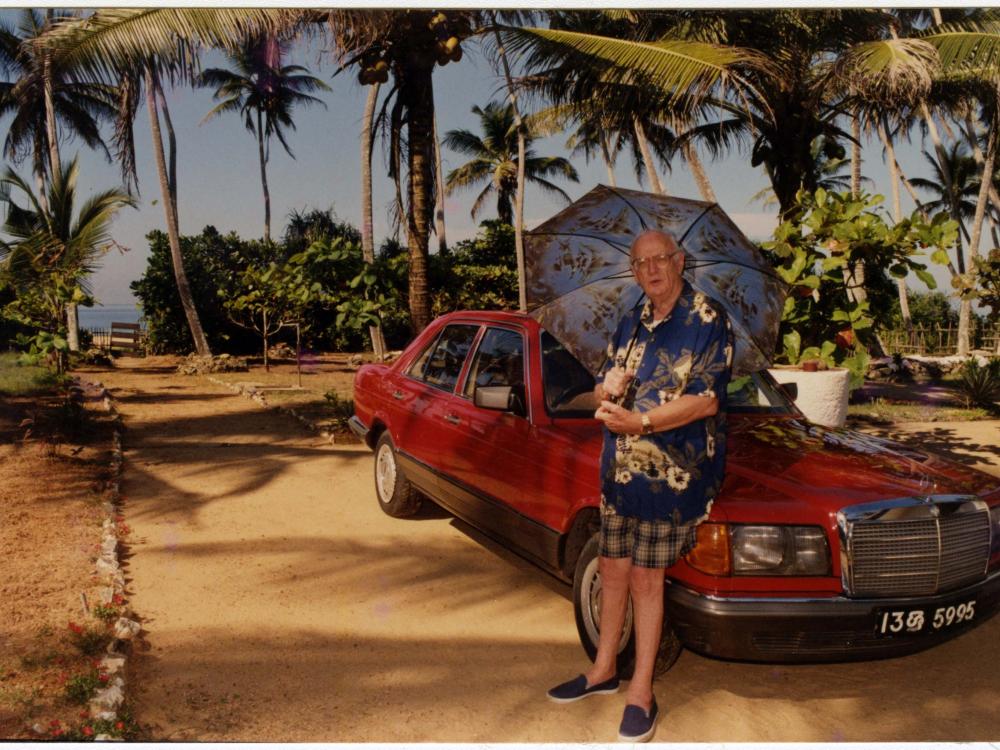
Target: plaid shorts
{"x":650,"y":544}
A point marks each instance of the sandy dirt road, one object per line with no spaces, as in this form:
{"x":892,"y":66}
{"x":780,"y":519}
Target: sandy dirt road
{"x":280,"y":604}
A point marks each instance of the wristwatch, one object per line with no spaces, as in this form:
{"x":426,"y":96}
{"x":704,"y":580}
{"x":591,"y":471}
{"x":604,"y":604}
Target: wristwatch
{"x":647,"y":426}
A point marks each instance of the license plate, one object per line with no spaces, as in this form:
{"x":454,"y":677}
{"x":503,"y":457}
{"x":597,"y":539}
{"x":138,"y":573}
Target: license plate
{"x":918,"y":620}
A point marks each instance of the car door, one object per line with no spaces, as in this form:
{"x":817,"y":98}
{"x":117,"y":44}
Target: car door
{"x":496,"y":454}
{"x":423,"y":400}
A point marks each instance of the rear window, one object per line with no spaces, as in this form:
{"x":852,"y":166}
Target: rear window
{"x":441,"y":363}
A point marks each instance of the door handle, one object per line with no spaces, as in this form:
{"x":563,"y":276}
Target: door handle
{"x":398,"y":395}
{"x":452,"y":418}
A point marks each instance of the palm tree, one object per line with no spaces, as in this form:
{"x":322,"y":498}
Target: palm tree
{"x":78,"y":106}
{"x":43,"y":95}
{"x":264,"y":92}
{"x":790,"y":72}
{"x":954,"y":187}
{"x":51,"y":253}
{"x":495,"y":161}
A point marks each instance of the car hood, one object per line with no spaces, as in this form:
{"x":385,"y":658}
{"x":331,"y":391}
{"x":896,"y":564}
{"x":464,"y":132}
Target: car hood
{"x":837,"y":467}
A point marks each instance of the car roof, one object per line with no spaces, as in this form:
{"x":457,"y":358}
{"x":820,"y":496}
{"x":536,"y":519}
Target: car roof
{"x":490,"y":316}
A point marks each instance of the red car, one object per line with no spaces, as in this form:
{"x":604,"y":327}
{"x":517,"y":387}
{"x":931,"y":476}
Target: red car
{"x":823,"y":544}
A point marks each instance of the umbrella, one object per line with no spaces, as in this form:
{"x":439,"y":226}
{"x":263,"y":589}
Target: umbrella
{"x":579,"y":283}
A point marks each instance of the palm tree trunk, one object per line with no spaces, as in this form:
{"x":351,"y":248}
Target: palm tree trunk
{"x":168,"y":125}
{"x":418,"y":91}
{"x":897,"y":212}
{"x":267,"y":363}
{"x":700,"y":175}
{"x":647,"y":157}
{"x":519,"y":195}
{"x":965,"y":308}
{"x":173,"y":230}
{"x":263,"y":178}
{"x":977,"y":154}
{"x":367,"y":225}
{"x":608,"y":161}
{"x":439,"y":227}
{"x":855,"y":156}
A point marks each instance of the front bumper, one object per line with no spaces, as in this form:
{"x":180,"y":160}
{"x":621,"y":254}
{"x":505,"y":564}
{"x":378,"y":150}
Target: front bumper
{"x":811,"y":630}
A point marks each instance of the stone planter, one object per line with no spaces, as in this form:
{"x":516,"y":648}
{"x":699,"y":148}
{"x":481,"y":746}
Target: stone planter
{"x":822,"y":394}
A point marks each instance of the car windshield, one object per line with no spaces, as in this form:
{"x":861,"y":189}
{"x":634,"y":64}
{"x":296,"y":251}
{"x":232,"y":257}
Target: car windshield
{"x":758,"y":394}
{"x":569,"y":387}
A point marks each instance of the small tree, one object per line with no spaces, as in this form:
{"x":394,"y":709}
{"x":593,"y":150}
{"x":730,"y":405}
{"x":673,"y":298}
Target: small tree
{"x":820,"y":247}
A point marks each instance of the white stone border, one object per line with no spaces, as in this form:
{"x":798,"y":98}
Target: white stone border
{"x":253,"y":393}
{"x":106,"y":702}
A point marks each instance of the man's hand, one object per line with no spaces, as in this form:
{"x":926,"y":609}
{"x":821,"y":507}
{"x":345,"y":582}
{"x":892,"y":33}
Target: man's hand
{"x":616,"y":381}
{"x":618,"y":419}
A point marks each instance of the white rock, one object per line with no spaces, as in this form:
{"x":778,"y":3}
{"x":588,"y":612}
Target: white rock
{"x":106,"y":594}
{"x":106,"y":715}
{"x":113,"y":664}
{"x":109,"y":545}
{"x":106,"y":568}
{"x":111,"y":697}
{"x":126,"y":629}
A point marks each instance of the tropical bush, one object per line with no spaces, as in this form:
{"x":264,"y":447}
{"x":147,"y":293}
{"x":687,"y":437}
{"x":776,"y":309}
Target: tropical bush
{"x":317,"y":272}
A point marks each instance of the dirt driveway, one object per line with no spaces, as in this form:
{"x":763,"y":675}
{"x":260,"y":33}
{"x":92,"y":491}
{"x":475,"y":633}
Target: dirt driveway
{"x":280,"y":604}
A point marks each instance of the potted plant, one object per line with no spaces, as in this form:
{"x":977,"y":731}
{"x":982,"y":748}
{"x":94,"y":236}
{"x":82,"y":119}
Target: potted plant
{"x":831,"y":249}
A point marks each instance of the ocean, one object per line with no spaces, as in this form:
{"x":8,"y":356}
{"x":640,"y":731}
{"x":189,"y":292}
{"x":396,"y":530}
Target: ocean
{"x":102,"y":316}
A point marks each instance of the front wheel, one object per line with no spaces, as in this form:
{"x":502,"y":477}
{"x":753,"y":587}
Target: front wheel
{"x":396,"y":496}
{"x":587,"y":608}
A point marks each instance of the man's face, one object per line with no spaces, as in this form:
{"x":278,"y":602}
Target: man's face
{"x":657,"y":264}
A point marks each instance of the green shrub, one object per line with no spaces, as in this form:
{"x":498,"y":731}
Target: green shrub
{"x":979,"y":384}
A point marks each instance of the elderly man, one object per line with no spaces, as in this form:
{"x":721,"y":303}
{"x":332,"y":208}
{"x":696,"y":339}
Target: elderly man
{"x":663,"y":397}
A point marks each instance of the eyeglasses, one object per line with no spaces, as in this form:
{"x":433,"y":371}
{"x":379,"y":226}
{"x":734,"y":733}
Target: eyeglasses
{"x":661,"y":261}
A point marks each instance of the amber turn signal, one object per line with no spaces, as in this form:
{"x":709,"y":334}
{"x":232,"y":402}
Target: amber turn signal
{"x":711,"y":554}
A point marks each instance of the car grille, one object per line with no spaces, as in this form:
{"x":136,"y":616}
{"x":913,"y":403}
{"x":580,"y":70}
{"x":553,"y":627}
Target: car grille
{"x":914,"y":547}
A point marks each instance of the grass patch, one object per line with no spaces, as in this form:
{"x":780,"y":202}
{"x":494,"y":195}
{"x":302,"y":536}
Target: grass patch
{"x":23,"y":380}
{"x":882,"y":411}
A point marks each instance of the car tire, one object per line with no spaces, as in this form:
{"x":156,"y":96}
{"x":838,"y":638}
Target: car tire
{"x":396,"y":496}
{"x":586,"y":606}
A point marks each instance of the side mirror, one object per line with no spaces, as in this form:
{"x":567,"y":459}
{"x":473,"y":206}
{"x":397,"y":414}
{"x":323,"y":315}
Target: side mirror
{"x":500,"y":398}
{"x":790,"y":389}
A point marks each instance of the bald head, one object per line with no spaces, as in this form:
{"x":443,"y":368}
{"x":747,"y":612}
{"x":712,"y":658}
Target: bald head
{"x":654,"y":241}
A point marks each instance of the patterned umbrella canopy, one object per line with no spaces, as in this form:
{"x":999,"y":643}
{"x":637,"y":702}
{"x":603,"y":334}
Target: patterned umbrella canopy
{"x":579,"y":284}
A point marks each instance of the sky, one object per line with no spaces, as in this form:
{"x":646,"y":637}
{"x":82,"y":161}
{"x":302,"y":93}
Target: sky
{"x":219,"y":177}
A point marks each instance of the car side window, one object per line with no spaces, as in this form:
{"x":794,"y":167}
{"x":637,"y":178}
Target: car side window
{"x":569,"y":387}
{"x":441,"y":363}
{"x":499,"y":361}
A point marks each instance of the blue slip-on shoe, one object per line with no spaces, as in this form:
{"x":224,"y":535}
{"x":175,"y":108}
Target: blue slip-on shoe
{"x":575,"y":689}
{"x":637,"y":725}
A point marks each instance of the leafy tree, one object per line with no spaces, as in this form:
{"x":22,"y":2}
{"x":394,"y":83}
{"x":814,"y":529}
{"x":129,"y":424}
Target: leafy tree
{"x":213,"y":260}
{"x":51,"y":252}
{"x":494,"y":161}
{"x":264,"y":92}
{"x":927,"y":309}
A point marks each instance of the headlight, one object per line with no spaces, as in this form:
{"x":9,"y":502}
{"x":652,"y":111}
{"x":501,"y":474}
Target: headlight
{"x":780,"y":551}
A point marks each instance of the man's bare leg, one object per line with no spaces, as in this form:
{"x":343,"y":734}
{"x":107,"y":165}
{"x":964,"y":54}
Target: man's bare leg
{"x":646,"y":587}
{"x":615,"y":573}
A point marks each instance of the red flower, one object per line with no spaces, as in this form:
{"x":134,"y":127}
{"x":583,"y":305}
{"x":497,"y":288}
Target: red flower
{"x":117,"y":599}
{"x":87,"y":731}
{"x":57,"y":733}
{"x":103,"y":677}
{"x":120,"y":726}
{"x":78,"y":629}
{"x":54,"y":723}
{"x":84,"y":715}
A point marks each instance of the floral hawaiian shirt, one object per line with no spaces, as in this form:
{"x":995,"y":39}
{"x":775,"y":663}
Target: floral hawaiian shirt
{"x":672,"y":475}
